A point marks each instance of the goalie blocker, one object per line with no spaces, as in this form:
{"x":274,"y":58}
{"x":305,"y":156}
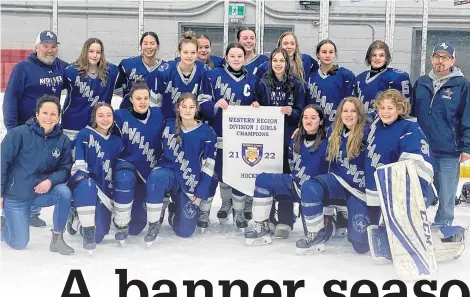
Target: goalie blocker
{"x":406,"y":237}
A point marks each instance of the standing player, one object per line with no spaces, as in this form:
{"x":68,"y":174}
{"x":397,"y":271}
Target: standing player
{"x":281,"y":88}
{"x":139,"y":68}
{"x":380,"y":77}
{"x":96,"y":152}
{"x":343,"y":185}
{"x":247,"y":38}
{"x":141,"y":130}
{"x":91,"y":79}
{"x":181,"y":77}
{"x":330,"y":84}
{"x":185,"y":171}
{"x":307,"y":159}
{"x":204,"y":53}
{"x":222,"y":87}
{"x":42,"y":73}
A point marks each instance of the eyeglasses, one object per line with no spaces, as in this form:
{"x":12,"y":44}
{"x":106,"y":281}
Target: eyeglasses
{"x":439,"y":57}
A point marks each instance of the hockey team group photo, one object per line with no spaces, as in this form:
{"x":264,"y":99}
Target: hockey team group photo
{"x":289,"y":146}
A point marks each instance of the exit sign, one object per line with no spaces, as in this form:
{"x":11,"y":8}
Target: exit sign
{"x":236,"y":11}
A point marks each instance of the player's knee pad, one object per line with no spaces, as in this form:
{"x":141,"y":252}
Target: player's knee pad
{"x":85,"y":193}
{"x":186,"y":216}
{"x":158,"y":184}
{"x":136,"y":225}
{"x":99,"y":237}
{"x":263,"y":185}
{"x":124,"y":186}
{"x":312,"y":191}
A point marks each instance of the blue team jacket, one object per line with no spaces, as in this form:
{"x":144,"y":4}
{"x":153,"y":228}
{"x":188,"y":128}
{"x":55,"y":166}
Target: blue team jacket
{"x":444,"y":116}
{"x":29,"y":80}
{"x":29,"y":156}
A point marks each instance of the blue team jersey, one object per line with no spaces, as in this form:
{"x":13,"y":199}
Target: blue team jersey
{"x":218,"y":84}
{"x":192,"y":160}
{"x":281,"y":95}
{"x":83,"y":92}
{"x":307,"y":164}
{"x":141,"y":139}
{"x":367,"y":88}
{"x":95,"y":158}
{"x":132,"y":69}
{"x":328,"y":90}
{"x":402,"y":140}
{"x":253,"y":66}
{"x":350,"y":172}
{"x":175,"y":83}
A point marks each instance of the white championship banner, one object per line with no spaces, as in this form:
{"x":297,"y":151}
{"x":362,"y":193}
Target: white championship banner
{"x":252,"y":143}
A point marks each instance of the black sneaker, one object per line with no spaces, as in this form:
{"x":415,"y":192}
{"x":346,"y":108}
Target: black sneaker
{"x":35,"y":221}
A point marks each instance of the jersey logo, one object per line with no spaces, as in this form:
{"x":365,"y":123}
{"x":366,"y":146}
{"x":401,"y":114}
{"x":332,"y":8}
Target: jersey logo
{"x":448,"y":94}
{"x":163,"y":67}
{"x":252,"y":153}
{"x":360,"y":223}
{"x":190,"y":210}
{"x":56,"y":153}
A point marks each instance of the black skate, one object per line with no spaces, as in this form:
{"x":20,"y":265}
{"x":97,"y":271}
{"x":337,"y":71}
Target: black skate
{"x":89,"y":242}
{"x":340,"y":220}
{"x":248,"y":208}
{"x":203,"y":221}
{"x":224,"y":211}
{"x":122,"y":233}
{"x":154,"y":229}
{"x":240,"y":220}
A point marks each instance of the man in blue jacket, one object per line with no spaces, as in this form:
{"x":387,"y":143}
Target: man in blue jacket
{"x":40,"y":74}
{"x":441,"y":102}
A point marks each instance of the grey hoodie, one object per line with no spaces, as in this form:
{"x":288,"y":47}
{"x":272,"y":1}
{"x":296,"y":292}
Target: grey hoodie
{"x":437,"y":83}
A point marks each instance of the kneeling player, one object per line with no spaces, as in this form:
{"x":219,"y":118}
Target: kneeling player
{"x":141,"y":129}
{"x":96,"y":151}
{"x":307,"y":159}
{"x":185,"y":172}
{"x":396,"y":137}
{"x":343,"y":185}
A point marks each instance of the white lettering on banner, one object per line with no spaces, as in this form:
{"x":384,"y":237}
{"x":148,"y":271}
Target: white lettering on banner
{"x":251,"y":138}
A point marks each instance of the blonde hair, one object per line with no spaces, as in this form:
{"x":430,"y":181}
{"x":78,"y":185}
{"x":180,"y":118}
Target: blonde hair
{"x":83,"y":64}
{"x":402,"y":105}
{"x":188,"y":37}
{"x":354,"y":145}
{"x":298,"y":69}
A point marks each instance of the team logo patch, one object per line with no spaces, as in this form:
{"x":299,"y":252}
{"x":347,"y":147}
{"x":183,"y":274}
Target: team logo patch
{"x":252,"y":153}
{"x":56,"y":153}
{"x":190,"y":210}
{"x":49,"y":34}
{"x":447,"y":94}
{"x":163,"y":67}
{"x":360,"y":223}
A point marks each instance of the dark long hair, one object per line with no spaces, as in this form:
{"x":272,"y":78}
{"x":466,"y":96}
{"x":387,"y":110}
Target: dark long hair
{"x":320,"y":44}
{"x":270,"y":76}
{"x":301,"y":134}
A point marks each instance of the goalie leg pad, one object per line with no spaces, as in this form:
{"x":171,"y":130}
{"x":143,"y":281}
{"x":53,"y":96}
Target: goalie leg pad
{"x":408,"y":228}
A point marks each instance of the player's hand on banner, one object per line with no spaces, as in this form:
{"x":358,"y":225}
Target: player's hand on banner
{"x":196,"y":201}
{"x":43,"y":187}
{"x":295,"y":133}
{"x":286,"y":110}
{"x":222,"y":103}
{"x":255,"y":104}
{"x":464,"y":157}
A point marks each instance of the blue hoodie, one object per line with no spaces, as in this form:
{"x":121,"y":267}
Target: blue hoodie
{"x":29,"y":156}
{"x":29,"y":80}
{"x":442,"y":107}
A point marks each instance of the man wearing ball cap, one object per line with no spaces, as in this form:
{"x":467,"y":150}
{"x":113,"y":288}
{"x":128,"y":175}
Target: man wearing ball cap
{"x":441,"y":103}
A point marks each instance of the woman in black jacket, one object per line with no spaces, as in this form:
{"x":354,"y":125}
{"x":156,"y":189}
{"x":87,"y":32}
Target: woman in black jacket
{"x":36,"y":162}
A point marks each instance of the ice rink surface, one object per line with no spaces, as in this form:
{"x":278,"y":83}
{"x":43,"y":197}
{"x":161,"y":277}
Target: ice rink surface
{"x":218,"y":254}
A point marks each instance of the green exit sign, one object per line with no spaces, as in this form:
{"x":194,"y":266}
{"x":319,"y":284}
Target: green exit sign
{"x":236,"y":11}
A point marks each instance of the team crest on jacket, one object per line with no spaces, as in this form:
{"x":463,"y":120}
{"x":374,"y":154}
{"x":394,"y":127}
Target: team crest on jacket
{"x":448,"y":94}
{"x":252,"y":153}
{"x":56,"y":153}
{"x":190,"y":210}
